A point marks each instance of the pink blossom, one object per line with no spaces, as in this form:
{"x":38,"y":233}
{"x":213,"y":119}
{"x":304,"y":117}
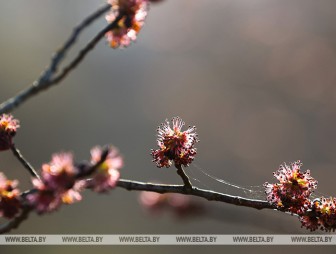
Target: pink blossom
{"x":181,"y":205}
{"x":174,"y":144}
{"x":151,"y":200}
{"x":107,"y":174}
{"x":60,"y":173}
{"x":58,"y":184}
{"x":44,"y":199}
{"x":73,"y":195}
{"x":8,"y":128}
{"x":135,"y":12}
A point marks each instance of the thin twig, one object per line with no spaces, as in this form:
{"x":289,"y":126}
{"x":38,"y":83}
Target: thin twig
{"x":59,"y":56}
{"x":47,"y":78}
{"x":86,"y":50}
{"x":24,"y":162}
{"x":14,"y":223}
{"x":185,"y":178}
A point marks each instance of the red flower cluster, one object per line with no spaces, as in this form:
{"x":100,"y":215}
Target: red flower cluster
{"x":292,"y":194}
{"x":8,"y":127}
{"x":174,"y":144}
{"x":134,"y":13}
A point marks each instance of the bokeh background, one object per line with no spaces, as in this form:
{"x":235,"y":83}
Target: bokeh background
{"x":255,"y":76}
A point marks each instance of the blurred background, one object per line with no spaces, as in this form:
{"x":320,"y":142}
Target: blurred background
{"x":255,"y":76}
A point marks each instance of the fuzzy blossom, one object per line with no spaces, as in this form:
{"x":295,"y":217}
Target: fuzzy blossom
{"x":181,"y":205}
{"x":293,"y":190}
{"x":57,"y":186}
{"x":60,"y":173}
{"x":9,"y":197}
{"x":8,"y":128}
{"x":107,"y":173}
{"x":44,"y":199}
{"x":174,"y":144}
{"x":151,"y":200}
{"x":134,"y":14}
{"x":73,"y":195}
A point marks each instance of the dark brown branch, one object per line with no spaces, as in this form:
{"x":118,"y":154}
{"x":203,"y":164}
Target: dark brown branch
{"x":47,"y":78}
{"x":197,"y":192}
{"x":59,"y":56}
{"x":163,"y":188}
{"x":24,"y":162}
{"x":207,"y":194}
{"x":14,"y":223}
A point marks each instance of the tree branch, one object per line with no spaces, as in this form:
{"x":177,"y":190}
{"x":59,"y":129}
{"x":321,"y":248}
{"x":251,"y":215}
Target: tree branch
{"x":86,"y":50}
{"x":47,"y":78}
{"x":183,"y":175}
{"x":24,"y":162}
{"x":159,"y":188}
{"x":197,"y":192}
{"x":14,"y":223}
{"x":207,"y":194}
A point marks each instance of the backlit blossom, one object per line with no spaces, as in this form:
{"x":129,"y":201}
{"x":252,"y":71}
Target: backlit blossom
{"x":44,"y":199}
{"x":134,"y":14}
{"x":58,"y":184}
{"x":74,"y":194}
{"x":107,"y":174}
{"x":9,"y":197}
{"x":293,"y":190}
{"x":8,"y":128}
{"x":174,"y":144}
{"x":60,"y":173}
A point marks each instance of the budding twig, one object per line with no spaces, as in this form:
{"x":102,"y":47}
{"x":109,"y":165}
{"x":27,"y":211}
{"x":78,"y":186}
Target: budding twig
{"x":24,"y":162}
{"x":185,"y":178}
{"x":48,"y":78}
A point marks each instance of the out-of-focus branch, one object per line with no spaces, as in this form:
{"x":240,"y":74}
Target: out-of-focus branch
{"x":24,"y":162}
{"x":14,"y":223}
{"x":85,"y":50}
{"x":49,"y":77}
